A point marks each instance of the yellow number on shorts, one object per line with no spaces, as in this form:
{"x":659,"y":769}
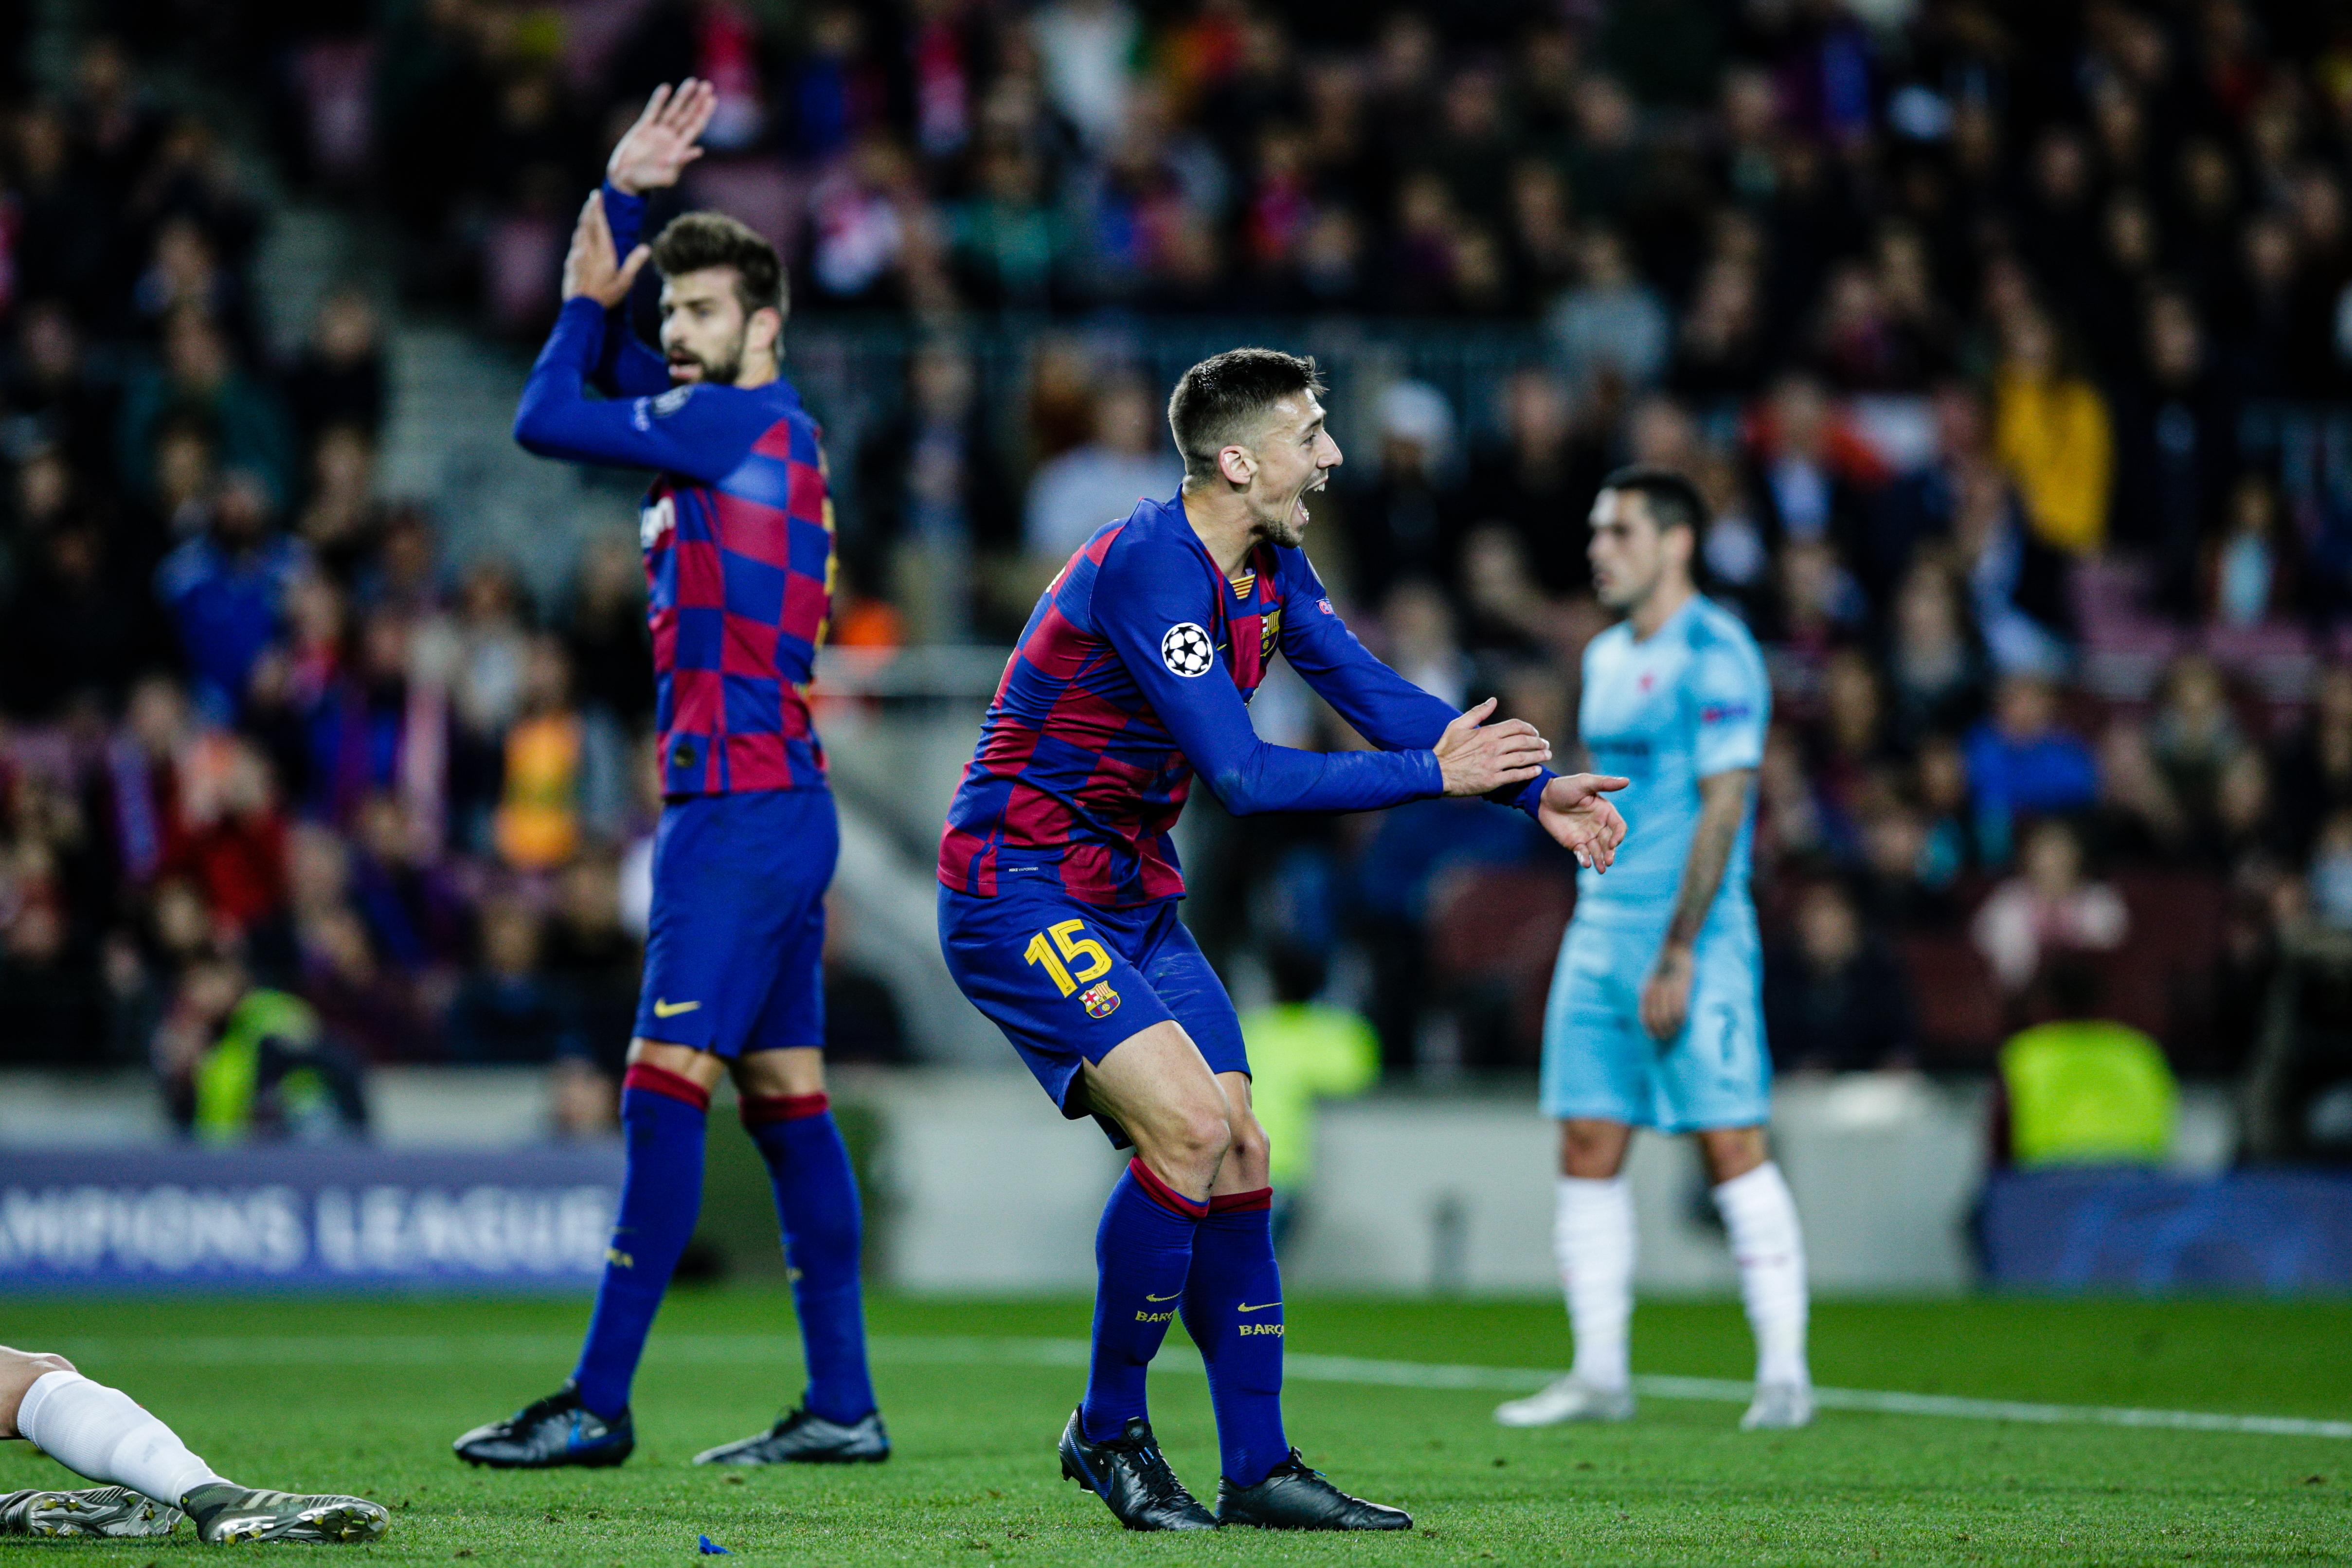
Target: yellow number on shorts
{"x":1044,"y":952}
{"x":1039,"y":951}
{"x":1076,"y":947}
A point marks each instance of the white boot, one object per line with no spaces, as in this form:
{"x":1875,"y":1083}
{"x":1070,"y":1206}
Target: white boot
{"x":1568,"y":1398}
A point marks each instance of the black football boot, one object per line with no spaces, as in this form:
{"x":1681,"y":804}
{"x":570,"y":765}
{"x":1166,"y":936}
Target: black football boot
{"x":554,"y":1431}
{"x":1293,"y":1497}
{"x":801,"y":1438}
{"x":1132,"y":1478}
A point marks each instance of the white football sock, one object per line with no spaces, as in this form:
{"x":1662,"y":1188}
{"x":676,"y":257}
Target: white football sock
{"x":1592,"y":1237}
{"x":1761,"y":1219}
{"x":102,"y":1432}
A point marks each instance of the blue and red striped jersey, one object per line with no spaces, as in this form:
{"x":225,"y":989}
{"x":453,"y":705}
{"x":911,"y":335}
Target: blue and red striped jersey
{"x":738,"y":537}
{"x":1135,"y":672}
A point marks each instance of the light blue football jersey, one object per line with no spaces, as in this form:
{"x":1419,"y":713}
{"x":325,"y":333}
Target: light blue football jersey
{"x":1689,"y":702}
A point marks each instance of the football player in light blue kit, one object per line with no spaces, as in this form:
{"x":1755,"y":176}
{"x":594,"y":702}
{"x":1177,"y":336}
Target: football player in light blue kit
{"x":1655,"y":1018}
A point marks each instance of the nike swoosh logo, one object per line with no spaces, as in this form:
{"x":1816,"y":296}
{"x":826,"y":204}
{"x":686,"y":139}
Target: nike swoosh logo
{"x":1262,"y":1306}
{"x":1164,"y":1298}
{"x":672,"y":1009}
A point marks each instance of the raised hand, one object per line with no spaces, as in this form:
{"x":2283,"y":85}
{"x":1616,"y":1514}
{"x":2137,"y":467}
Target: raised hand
{"x":588,"y":267}
{"x":660,"y":146}
{"x":1476,"y":757}
{"x":1576,"y":811}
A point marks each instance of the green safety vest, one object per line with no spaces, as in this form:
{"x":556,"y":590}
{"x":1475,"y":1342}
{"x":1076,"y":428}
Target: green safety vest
{"x":1301,"y":1052}
{"x":2087,"y":1094}
{"x":229,"y":1075}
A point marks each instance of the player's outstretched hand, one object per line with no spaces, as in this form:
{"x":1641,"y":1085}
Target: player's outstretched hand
{"x":1477,"y":757}
{"x":660,"y":146}
{"x":589,"y":267}
{"x":1576,"y":811}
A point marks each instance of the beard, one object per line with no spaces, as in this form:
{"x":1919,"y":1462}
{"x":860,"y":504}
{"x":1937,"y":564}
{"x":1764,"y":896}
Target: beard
{"x":1286,"y":530}
{"x":1282,"y":532}
{"x":715,"y":372}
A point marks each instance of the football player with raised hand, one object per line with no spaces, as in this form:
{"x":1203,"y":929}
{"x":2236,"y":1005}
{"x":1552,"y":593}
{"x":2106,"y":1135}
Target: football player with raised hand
{"x":738,"y":537}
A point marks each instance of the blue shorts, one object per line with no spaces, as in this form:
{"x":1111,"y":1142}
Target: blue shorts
{"x":1600,"y":1062}
{"x":735,"y":954}
{"x":1067,"y":981}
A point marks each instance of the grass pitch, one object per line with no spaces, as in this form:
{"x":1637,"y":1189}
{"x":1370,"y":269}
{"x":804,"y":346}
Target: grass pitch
{"x":365,"y":1396}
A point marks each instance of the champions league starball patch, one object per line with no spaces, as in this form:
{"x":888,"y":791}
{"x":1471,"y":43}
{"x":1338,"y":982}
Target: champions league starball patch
{"x":1186,"y":650}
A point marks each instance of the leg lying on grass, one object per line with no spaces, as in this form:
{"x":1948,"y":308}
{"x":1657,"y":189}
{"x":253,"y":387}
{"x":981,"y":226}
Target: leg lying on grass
{"x":103,"y":1433}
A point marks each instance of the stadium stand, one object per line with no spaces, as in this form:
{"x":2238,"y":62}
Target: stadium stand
{"x":2005,"y":343}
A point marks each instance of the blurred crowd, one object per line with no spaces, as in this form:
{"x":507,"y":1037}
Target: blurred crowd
{"x":285,"y":792}
{"x":1958,"y":311}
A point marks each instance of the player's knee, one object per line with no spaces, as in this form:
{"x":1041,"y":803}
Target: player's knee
{"x":1731,"y":1152}
{"x":1203,"y":1136}
{"x":1591,"y":1150}
{"x":1248,"y":1153}
{"x":19,"y":1370}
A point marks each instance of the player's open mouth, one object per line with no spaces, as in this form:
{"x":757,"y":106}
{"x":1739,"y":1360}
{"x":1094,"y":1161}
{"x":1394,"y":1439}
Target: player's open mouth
{"x":1321,"y":481}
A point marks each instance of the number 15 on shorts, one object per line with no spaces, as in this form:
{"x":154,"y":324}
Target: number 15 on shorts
{"x":1059,"y":947}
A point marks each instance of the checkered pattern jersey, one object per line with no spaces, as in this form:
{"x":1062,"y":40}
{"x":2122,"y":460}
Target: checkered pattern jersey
{"x":1075,"y":775}
{"x":740,"y":575}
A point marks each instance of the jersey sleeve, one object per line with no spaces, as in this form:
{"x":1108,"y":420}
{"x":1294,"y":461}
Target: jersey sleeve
{"x":1150,"y":605}
{"x":1731,"y":706}
{"x":1385,"y":708}
{"x":702,"y":432}
{"x":626,"y":366}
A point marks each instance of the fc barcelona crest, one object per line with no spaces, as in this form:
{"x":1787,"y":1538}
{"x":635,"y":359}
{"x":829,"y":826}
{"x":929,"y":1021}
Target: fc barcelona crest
{"x":1100,"y":1001}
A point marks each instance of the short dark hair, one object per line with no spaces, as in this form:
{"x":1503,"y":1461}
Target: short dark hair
{"x":694,"y":241}
{"x":1673,"y":500}
{"x":1223,"y":397}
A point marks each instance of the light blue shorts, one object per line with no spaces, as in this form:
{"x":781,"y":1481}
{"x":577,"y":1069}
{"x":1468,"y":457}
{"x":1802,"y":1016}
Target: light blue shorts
{"x":1599,"y":1062}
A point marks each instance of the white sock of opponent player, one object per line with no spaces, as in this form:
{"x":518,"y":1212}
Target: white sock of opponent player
{"x":1761,"y":1219}
{"x":1592,"y":1235}
{"x":102,"y":1432}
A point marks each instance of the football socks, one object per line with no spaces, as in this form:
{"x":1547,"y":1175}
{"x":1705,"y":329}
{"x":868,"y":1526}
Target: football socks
{"x":1143,"y":1251}
{"x":664,"y":1117}
{"x":1592,"y":1237}
{"x":1760,"y":1218}
{"x":1233,"y":1308}
{"x":103,"y":1433}
{"x":816,"y":1207}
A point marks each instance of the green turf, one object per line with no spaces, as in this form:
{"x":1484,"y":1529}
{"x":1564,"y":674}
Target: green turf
{"x":369,"y":1393}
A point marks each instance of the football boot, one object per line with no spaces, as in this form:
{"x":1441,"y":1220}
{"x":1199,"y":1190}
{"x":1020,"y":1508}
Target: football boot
{"x":111,"y":1511}
{"x":225,"y":1513}
{"x":554,"y":1431}
{"x":801,"y":1438}
{"x":1132,"y":1478}
{"x":1293,"y":1497}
